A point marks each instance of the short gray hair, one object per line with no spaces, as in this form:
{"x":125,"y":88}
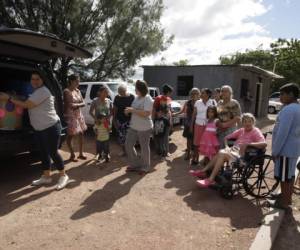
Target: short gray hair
{"x":249,"y":116}
{"x":227,"y":87}
{"x":195,"y":90}
{"x":122,"y":87}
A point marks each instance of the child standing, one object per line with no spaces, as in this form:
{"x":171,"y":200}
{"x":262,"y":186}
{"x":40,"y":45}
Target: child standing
{"x":161,"y":125}
{"x":102,"y":130}
{"x":209,"y":144}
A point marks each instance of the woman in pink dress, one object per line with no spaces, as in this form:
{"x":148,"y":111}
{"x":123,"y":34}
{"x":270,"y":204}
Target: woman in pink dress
{"x":76,"y":126}
{"x":209,"y":144}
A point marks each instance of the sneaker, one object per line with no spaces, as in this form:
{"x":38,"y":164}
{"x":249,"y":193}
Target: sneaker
{"x":42,"y":181}
{"x":107,"y":158}
{"x":62,"y":182}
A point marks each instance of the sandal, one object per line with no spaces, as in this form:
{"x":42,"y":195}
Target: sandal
{"x":131,"y":169}
{"x":198,"y":173}
{"x":82,"y":157}
{"x":297,"y":187}
{"x":277,"y":204}
{"x":73,"y":159}
{"x":187,"y":157}
{"x":205,"y":183}
{"x":203,"y":162}
{"x":275,"y":196}
{"x":142,"y":172}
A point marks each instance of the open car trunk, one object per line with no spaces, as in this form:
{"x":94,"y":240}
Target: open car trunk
{"x":21,"y":52}
{"x":16,"y":133}
{"x":15,"y":139}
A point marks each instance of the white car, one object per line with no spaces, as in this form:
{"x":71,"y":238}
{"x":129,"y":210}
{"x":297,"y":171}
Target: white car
{"x":274,"y":96}
{"x":274,"y":107}
{"x":89,"y":93}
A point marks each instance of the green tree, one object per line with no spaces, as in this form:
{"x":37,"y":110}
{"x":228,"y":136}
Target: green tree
{"x":183,"y":62}
{"x":262,"y":58}
{"x":283,"y":58}
{"x":118,"y":32}
{"x":287,"y":59}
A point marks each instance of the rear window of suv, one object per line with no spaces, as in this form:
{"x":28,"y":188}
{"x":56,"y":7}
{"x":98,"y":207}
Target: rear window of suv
{"x":113,"y":87}
{"x":83,"y":89}
{"x":94,"y":90}
{"x":275,"y":95}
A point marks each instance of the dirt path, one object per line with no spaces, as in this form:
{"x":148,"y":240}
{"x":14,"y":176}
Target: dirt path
{"x":106,"y":208}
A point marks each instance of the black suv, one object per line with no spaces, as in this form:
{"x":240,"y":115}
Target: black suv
{"x":21,"y":52}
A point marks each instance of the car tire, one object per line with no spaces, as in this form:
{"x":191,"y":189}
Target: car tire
{"x":271,"y":110}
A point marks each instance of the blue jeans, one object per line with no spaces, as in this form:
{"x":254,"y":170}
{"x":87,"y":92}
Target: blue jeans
{"x":102,"y":147}
{"x":48,"y":141}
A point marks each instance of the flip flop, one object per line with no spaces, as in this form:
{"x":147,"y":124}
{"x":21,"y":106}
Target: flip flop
{"x":142,"y":172}
{"x":73,"y":159}
{"x":82,"y":157}
{"x":132,"y":169}
{"x":297,"y":187}
{"x":198,"y":173}
{"x":205,"y":183}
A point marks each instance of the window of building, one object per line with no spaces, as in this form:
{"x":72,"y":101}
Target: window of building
{"x":244,"y":87}
{"x":184,"y":85}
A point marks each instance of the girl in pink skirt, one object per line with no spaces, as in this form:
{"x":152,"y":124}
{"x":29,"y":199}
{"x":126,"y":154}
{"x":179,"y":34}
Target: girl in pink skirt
{"x":209,"y":144}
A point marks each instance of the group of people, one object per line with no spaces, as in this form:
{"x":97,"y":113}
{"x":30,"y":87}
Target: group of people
{"x":213,"y":124}
{"x":211,"y":119}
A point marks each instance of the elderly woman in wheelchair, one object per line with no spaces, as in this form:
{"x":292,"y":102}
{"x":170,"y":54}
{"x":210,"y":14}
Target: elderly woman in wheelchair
{"x":245,"y":137}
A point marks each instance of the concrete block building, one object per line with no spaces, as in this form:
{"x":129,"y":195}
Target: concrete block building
{"x":250,"y":84}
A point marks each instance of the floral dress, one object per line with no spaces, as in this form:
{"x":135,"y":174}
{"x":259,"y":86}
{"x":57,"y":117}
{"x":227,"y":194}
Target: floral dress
{"x":73,"y":115}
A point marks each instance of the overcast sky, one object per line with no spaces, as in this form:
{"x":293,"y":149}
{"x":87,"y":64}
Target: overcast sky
{"x":206,"y":29}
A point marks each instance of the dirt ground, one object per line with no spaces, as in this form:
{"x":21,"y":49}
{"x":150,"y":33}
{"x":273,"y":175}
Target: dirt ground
{"x":106,"y":208}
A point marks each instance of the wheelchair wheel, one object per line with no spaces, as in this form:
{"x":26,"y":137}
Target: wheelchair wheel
{"x":258,"y":177}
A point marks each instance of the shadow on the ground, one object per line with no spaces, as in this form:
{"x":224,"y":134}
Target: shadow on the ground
{"x":16,"y":178}
{"x":17,"y":175}
{"x":242,"y":212}
{"x":104,"y":198}
{"x":288,"y":236}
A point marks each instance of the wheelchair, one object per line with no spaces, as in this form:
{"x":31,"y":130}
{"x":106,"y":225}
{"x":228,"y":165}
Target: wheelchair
{"x":253,"y":174}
